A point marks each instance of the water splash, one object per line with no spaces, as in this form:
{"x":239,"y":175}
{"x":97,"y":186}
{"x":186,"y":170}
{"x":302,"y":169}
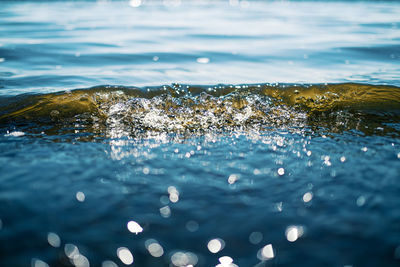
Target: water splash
{"x":115,"y":112}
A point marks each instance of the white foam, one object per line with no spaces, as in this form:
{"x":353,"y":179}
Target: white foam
{"x":15,"y":133}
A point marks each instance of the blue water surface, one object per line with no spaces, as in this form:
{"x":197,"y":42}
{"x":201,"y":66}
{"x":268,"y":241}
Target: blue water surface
{"x":48,"y":46}
{"x":282,"y":196}
{"x":341,"y":193}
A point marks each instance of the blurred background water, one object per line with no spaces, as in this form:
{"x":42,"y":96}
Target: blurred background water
{"x":291,"y":194}
{"x":48,"y":46}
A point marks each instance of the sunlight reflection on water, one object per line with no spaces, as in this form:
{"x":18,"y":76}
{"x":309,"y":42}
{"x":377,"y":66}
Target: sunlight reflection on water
{"x":161,"y":42}
{"x":213,"y":175}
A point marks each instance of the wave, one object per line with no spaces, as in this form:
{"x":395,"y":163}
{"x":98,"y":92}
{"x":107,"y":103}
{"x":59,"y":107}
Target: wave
{"x":117,"y":111}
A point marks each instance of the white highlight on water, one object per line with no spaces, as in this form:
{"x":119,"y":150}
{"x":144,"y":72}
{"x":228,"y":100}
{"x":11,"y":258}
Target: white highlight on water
{"x":215,"y":245}
{"x":135,"y":3}
{"x":15,"y":133}
{"x":134,"y":227}
{"x":203,"y":60}
{"x":125,"y":255}
{"x":266,"y":253}
{"x":154,"y":248}
{"x":53,"y":239}
{"x":307,"y":197}
{"x":80,"y":196}
{"x":293,"y":233}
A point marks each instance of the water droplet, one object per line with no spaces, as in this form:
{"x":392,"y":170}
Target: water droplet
{"x":80,"y":196}
{"x":53,"y":239}
{"x":203,"y":60}
{"x":215,"y":245}
{"x":361,"y":201}
{"x":134,"y":227}
{"x":184,"y":258}
{"x":71,"y":251}
{"x":307,"y":197}
{"x":281,"y":171}
{"x":266,"y":253}
{"x":225,"y":260}
{"x":154,"y":248}
{"x":173,"y":194}
{"x":165,"y":211}
{"x":233,"y":178}
{"x":279,"y":206}
{"x":174,"y":197}
{"x":81,"y":261}
{"x":327,"y":161}
{"x":125,"y":255}
{"x":135,"y":3}
{"x":292,"y":233}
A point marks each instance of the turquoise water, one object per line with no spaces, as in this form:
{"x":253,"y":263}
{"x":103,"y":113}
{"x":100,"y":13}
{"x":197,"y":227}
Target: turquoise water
{"x":199,"y":133}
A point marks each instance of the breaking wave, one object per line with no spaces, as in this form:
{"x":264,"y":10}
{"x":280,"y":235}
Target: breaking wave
{"x":116,"y":111}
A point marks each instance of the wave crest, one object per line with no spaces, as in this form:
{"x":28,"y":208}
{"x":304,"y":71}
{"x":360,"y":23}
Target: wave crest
{"x":114,"y":111}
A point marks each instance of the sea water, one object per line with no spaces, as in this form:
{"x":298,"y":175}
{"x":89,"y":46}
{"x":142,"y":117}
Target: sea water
{"x":199,"y":133}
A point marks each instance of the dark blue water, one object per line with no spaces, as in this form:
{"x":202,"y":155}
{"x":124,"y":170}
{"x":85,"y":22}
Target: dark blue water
{"x":184,"y":150}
